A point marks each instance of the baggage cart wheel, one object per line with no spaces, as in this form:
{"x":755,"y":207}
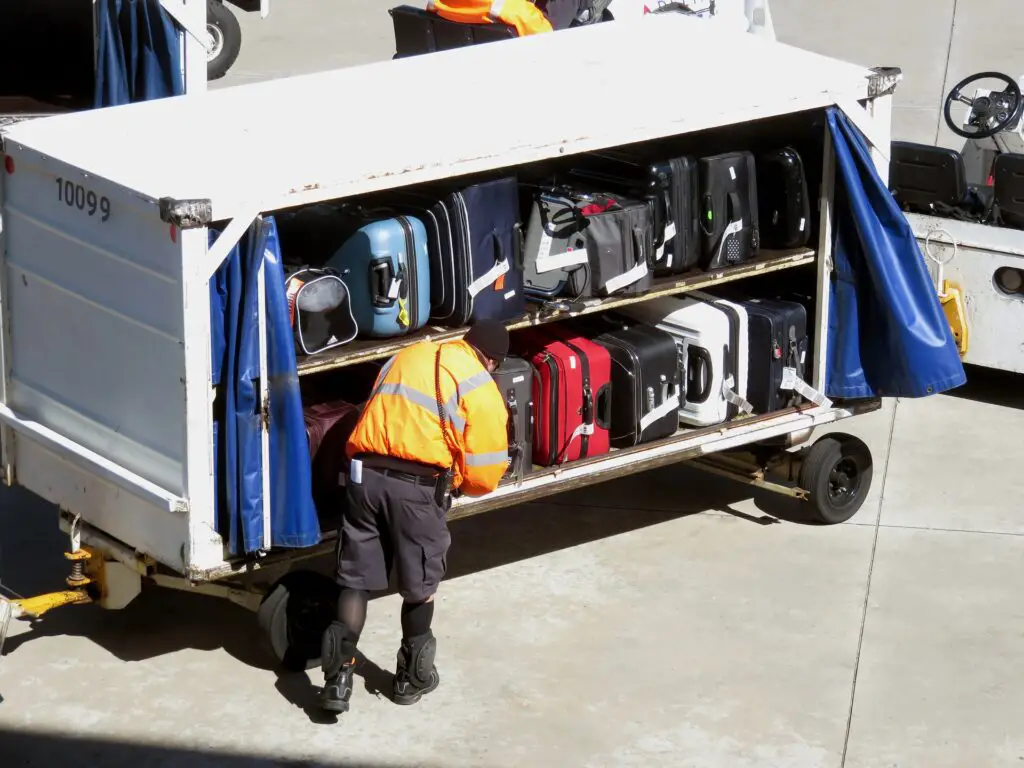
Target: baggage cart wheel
{"x":294,"y":616}
{"x":836,"y":473}
{"x":225,"y":39}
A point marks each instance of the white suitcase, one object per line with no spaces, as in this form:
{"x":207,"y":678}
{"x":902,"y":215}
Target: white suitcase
{"x":703,"y":333}
{"x":736,"y":388}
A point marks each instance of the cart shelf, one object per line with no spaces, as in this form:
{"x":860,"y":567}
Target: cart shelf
{"x":365,"y":350}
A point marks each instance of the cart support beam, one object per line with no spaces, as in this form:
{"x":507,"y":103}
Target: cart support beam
{"x":228,"y":239}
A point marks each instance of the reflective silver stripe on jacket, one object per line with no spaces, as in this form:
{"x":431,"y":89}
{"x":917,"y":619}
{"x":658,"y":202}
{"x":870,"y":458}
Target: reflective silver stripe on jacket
{"x":496,"y":8}
{"x":486,"y":459}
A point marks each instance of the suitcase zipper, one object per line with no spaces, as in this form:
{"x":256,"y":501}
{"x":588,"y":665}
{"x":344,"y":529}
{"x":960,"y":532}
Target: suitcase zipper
{"x":412,"y":285}
{"x":552,"y":365}
{"x":463,"y":210}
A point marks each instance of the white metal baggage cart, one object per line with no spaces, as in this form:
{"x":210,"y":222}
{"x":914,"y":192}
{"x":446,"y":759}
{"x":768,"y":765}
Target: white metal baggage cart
{"x":107,"y":398}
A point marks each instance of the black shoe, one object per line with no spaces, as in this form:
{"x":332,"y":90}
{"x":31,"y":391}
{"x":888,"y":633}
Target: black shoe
{"x":338,"y":690}
{"x":410,"y":687}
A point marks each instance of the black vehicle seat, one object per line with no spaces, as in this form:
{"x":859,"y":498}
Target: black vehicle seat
{"x":417,"y":32}
{"x":1008,"y":184}
{"x":921,"y":175}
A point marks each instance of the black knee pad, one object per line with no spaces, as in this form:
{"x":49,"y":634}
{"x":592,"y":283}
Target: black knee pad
{"x":337,"y":647}
{"x":422,"y":651}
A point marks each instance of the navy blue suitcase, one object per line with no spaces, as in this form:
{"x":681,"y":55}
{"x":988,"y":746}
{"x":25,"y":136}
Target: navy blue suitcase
{"x":475,"y":246}
{"x":385,"y":265}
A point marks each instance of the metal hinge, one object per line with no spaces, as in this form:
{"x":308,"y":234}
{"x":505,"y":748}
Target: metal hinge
{"x":186,"y":214}
{"x":883,"y":81}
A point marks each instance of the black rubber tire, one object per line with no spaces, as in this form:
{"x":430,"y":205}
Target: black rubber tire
{"x":220,"y":17}
{"x":294,"y":616}
{"x":836,"y":473}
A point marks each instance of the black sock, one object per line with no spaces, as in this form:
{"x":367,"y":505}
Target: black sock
{"x":416,"y":618}
{"x":352,"y":613}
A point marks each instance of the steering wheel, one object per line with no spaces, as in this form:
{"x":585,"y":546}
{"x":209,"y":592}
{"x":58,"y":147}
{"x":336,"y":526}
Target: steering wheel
{"x":997,"y":111}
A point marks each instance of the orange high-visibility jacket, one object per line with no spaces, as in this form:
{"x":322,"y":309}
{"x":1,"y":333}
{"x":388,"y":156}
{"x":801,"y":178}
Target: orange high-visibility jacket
{"x":527,"y":18}
{"x":400,"y":418}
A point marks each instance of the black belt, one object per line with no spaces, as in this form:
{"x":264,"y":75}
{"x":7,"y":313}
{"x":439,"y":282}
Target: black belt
{"x":406,"y":476}
{"x":389,"y":466}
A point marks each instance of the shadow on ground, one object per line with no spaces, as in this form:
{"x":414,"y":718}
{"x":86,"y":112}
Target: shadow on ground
{"x":987,"y":385}
{"x":162,"y":621}
{"x":23,"y":748}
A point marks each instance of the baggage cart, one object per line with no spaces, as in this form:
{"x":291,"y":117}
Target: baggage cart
{"x":108,"y":398}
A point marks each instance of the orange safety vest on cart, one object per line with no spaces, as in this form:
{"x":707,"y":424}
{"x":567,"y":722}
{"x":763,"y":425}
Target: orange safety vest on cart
{"x":527,"y":18}
{"x":400,"y":417}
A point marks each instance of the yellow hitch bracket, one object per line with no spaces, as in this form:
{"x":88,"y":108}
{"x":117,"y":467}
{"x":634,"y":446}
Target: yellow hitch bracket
{"x":956,"y":314}
{"x":37,"y":606}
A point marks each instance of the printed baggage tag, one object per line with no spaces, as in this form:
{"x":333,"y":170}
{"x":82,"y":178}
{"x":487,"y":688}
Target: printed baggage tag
{"x":659,"y":254}
{"x":395,"y":287}
{"x":546,"y":262}
{"x":793,"y":382}
{"x":670,"y":404}
{"x":626,"y":278}
{"x":488,"y":278}
{"x":733,"y":398}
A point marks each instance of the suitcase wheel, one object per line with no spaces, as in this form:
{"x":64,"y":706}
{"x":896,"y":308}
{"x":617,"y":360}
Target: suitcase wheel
{"x":294,"y":616}
{"x":836,"y":473}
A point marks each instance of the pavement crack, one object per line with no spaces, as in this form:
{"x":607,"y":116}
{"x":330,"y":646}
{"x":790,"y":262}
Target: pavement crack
{"x":867,"y":587}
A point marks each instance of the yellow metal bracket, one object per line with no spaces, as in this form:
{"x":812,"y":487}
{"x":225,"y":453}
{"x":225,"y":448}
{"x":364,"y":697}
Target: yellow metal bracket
{"x":86,"y":572}
{"x":951,"y":297}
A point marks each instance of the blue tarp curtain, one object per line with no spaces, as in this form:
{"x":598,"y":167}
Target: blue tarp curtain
{"x":235,"y":346}
{"x":138,"y":53}
{"x":888,"y":335}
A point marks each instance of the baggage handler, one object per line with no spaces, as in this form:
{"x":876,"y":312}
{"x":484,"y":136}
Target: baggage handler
{"x":405,"y":464}
{"x":527,"y":18}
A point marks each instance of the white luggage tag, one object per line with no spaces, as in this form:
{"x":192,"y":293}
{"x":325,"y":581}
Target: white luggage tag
{"x":626,"y":278}
{"x":355,"y":471}
{"x":670,"y":404}
{"x":731,"y":397}
{"x":793,"y":382}
{"x":548,"y":263}
{"x":489,"y":277}
{"x":659,"y":254}
{"x":395,"y":287}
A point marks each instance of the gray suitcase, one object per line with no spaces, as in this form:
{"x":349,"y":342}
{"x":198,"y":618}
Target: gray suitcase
{"x":514,"y":378}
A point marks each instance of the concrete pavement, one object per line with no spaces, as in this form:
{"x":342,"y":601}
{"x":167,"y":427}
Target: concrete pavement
{"x":668,"y":619}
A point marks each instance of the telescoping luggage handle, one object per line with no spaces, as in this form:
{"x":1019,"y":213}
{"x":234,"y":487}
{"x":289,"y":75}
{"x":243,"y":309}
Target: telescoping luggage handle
{"x":516,"y":442}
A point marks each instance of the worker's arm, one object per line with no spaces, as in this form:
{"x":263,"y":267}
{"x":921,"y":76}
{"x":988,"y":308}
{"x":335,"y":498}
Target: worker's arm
{"x":485,"y":440}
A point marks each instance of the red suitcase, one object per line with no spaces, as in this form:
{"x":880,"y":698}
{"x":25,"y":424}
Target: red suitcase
{"x":571,"y":394}
{"x":328,"y":426}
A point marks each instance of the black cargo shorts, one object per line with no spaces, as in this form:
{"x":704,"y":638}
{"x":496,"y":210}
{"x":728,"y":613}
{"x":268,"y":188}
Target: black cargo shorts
{"x":391,"y":521}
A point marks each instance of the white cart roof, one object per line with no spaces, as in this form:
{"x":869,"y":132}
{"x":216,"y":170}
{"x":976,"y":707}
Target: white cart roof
{"x":295,"y":140}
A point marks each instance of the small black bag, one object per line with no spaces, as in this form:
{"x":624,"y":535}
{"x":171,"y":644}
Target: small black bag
{"x":319,"y":308}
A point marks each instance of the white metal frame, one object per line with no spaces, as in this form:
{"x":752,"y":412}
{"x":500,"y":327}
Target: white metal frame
{"x":204,"y":558}
{"x":973,"y":253}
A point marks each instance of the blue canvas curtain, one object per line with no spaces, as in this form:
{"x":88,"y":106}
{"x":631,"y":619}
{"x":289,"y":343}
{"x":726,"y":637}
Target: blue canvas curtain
{"x":138,"y":53}
{"x":888,"y":335}
{"x":239,"y":466}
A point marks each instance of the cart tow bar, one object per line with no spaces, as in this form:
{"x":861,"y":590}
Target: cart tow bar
{"x":78,"y":592}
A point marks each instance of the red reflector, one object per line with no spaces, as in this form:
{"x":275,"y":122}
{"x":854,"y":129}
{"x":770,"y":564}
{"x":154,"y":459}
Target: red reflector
{"x":646,"y":10}
{"x":9,"y":163}
{"x":991,"y":180}
{"x":174,"y":234}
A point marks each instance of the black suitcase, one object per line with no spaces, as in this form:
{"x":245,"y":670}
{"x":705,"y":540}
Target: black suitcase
{"x":783,"y":202}
{"x":777,"y":339}
{"x":728,"y":209}
{"x":475,"y":248}
{"x":646,"y":386}
{"x":671,"y":186}
{"x":514,"y":378}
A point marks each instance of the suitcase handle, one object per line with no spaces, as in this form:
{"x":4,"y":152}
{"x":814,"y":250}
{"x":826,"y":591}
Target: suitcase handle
{"x":519,"y":245}
{"x":604,"y":406}
{"x":699,"y":363}
{"x":380,"y":282}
